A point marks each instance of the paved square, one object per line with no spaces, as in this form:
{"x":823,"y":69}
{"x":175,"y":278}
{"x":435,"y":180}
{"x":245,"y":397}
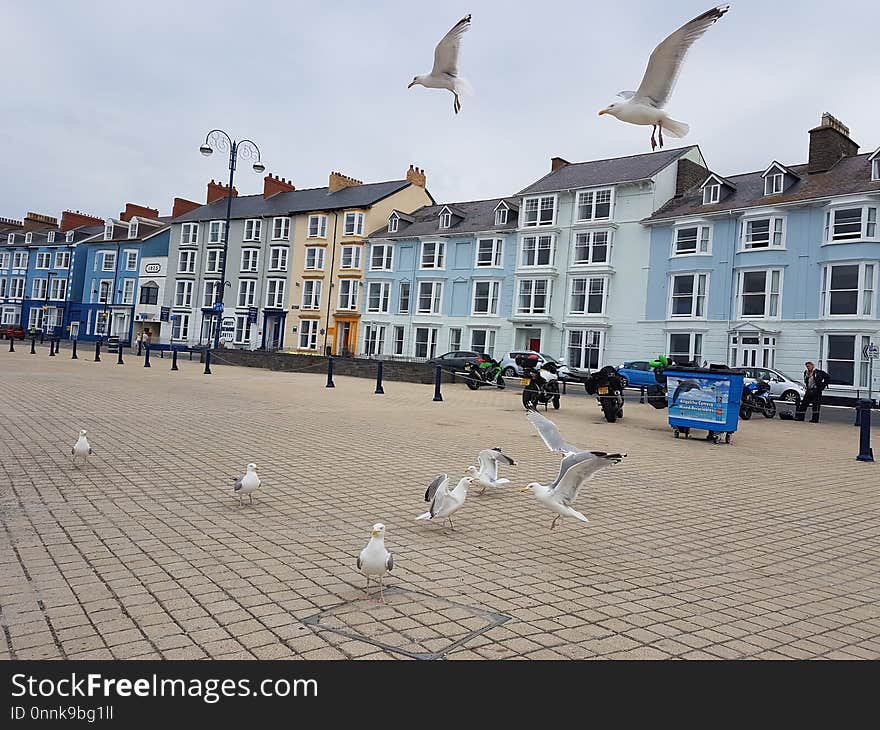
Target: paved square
{"x":769,"y":547}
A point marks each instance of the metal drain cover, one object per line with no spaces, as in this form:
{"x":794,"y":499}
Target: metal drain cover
{"x":417,"y":625}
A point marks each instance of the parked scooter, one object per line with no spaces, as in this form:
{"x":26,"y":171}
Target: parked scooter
{"x":607,"y":385}
{"x":540,"y":381}
{"x":486,"y":371}
{"x":756,"y":399}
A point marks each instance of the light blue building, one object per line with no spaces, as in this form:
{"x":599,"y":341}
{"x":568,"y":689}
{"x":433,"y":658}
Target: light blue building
{"x":775,"y":267}
{"x":441,"y":280}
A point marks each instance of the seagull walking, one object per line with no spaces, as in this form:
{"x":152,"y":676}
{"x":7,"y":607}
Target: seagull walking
{"x":249,"y":483}
{"x":81,"y":449}
{"x":645,"y":105}
{"x":375,"y":560}
{"x":445,"y":501}
{"x":444,"y":75}
{"x":487,"y":474}
{"x":577,"y":468}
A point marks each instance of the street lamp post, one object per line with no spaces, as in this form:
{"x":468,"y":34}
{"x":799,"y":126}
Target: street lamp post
{"x":220,"y":140}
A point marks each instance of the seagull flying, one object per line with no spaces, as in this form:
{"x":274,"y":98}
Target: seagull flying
{"x":577,"y":468}
{"x":645,"y":105}
{"x":81,"y":449}
{"x":487,"y":474}
{"x":444,"y":75}
{"x":374,"y":559}
{"x":445,"y":501}
{"x":247,"y":484}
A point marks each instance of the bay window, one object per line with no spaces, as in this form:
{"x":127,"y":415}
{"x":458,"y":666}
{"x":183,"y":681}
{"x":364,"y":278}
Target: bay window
{"x":250,"y":260}
{"x":591,"y":247}
{"x":281,"y":228}
{"x":588,"y":295}
{"x":317,"y":226}
{"x":186,"y":262}
{"x":182,"y":295}
{"x":213,"y":261}
{"x":847,"y":224}
{"x":353,"y":224}
{"x":351,"y":257}
{"x":278,"y":258}
{"x":763,"y":233}
{"x":533,"y":296}
{"x":848,"y":290}
{"x":252,"y":229}
{"x":691,"y":240}
{"x":189,"y":234}
{"x":209,"y":293}
{"x":539,"y":211}
{"x":537,"y":250}
{"x":594,"y":205}
{"x":215,"y":231}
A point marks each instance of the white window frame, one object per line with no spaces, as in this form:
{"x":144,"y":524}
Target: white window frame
{"x":539,"y":240}
{"x":433,"y":337}
{"x":39,"y":289}
{"x":775,"y":232}
{"x":384,"y":297}
{"x":588,"y":283}
{"x":694,"y":353}
{"x":128,"y":286}
{"x":711,"y":194}
{"x":129,"y":264}
{"x":436,"y":298}
{"x":209,"y":292}
{"x":347,"y":299}
{"x":774,"y":184}
{"x":133,"y":228}
{"x":702,"y":243}
{"x":593,"y":194}
{"x":768,"y":293}
{"x":278,"y":258}
{"x":312,"y":290}
{"x":437,"y":260}
{"x":374,"y":339}
{"x":320,"y":226}
{"x":215,"y":232}
{"x":866,"y":290}
{"x":250,"y":260}
{"x":111,"y":255}
{"x":488,"y":346}
{"x":308,"y":334}
{"x":496,"y":253}
{"x":398,"y":342}
{"x":247,"y":292}
{"x":532,"y":295}
{"x":108,"y":231}
{"x":281,"y":228}
{"x":20,"y":260}
{"x":180,"y":326}
{"x":182,"y":293}
{"x":875,"y":169}
{"x":393,"y":223}
{"x":454,"y":339}
{"x":353,"y":255}
{"x":400,"y":297}
{"x":190,"y":257}
{"x":105,"y":291}
{"x":589,"y":340}
{"x":58,"y":289}
{"x":50,"y":237}
{"x":445,"y":220}
{"x":493,"y":297}
{"x":68,"y":237}
{"x":189,"y":234}
{"x":16,"y":287}
{"x":4,"y":260}
{"x":43,"y":261}
{"x":860,"y":364}
{"x":318,"y":258}
{"x":356,"y":219}
{"x":699,"y":300}
{"x":590,"y":245}
{"x":387,"y":260}
{"x":869,"y":221}
{"x":501,"y":216}
{"x":540,"y":207}
{"x":253,"y":230}
{"x":275,"y":290}
{"x":242,"y":334}
{"x":213,"y":260}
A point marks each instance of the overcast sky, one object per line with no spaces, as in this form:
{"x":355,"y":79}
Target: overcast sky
{"x":107,"y":102}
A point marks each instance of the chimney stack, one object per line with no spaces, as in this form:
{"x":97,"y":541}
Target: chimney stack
{"x":10,"y":224}
{"x":218,"y":191}
{"x":182,"y":206}
{"x":132,"y":210}
{"x":416,"y":176}
{"x":688,"y":176}
{"x":557,"y":163}
{"x":272,"y":185}
{"x":829,"y":143}
{"x":71,"y":219}
{"x":338,"y":181}
{"x":39,"y":222}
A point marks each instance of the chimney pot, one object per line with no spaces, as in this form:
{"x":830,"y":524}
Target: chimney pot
{"x":829,"y":143}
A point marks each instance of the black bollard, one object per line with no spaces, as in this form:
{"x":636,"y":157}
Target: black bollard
{"x":11,"y":343}
{"x":437,"y":396}
{"x":207,"y":362}
{"x":379,"y":389}
{"x":330,"y":373}
{"x":97,"y":350}
{"x":641,"y":394}
{"x":119,"y":350}
{"x":174,"y":360}
{"x":34,"y":345}
{"x":51,"y":347}
{"x":42,"y":337}
{"x":140,"y":350}
{"x":147,"y":357}
{"x":865,"y":451}
{"x":73,"y":355}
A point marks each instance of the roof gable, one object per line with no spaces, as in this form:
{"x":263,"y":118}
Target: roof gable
{"x":778,"y":167}
{"x":714,"y":179}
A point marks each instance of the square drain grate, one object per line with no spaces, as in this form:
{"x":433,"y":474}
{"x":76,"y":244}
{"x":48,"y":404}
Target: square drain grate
{"x":417,"y":625}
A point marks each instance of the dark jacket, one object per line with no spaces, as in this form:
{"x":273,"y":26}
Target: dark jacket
{"x":820,"y":378}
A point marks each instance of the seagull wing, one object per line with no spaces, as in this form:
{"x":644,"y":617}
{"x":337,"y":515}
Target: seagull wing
{"x":440,"y":482}
{"x":578,"y":469}
{"x":389,"y":561}
{"x":502,"y":458}
{"x":446,"y":53}
{"x":626,"y":94}
{"x":665,"y":63}
{"x":237,"y":486}
{"x":360,"y":558}
{"x":550,"y":434}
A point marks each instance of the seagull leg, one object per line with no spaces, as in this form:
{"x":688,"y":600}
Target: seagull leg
{"x":251,"y":498}
{"x":367,"y":589}
{"x":553,"y":524}
{"x":483,"y":490}
{"x":456,"y":104}
{"x":381,"y":590}
{"x":451,"y":526}
{"x":653,"y":140}
{"x":660,"y":128}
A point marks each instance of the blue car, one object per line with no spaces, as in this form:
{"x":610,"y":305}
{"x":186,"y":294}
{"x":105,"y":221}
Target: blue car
{"x":638,"y":373}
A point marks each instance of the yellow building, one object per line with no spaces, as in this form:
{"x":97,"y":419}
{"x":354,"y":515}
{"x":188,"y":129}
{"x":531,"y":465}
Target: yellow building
{"x":329,"y":256}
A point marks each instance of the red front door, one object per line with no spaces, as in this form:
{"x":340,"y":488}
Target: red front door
{"x":535,"y":344}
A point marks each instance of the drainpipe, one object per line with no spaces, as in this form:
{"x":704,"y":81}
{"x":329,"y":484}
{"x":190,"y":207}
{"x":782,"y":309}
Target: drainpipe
{"x":330,"y":287}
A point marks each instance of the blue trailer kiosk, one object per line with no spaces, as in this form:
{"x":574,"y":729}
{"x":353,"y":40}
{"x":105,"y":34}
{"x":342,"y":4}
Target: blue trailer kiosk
{"x":704,"y":398}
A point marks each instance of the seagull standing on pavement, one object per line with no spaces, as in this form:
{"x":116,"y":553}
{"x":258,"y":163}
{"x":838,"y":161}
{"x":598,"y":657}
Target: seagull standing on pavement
{"x":249,"y":483}
{"x":81,"y":449}
{"x":645,"y":105}
{"x":375,"y":559}
{"x":577,"y":468}
{"x":444,"y":75}
{"x":487,"y":474}
{"x":445,"y":501}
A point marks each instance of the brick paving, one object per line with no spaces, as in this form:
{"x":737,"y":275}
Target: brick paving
{"x":767,"y":548}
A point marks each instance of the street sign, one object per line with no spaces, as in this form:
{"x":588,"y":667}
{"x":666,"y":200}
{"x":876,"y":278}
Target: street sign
{"x":163,"y":315}
{"x":252,"y":315}
{"x":218,"y":306}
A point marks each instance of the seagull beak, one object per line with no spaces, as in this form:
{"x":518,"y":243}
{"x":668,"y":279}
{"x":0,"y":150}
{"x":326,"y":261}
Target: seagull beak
{"x":375,"y":533}
{"x":411,"y":84}
{"x":523,"y":491}
{"x":604,"y":111}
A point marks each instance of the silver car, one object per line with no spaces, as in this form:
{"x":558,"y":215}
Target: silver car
{"x":512,"y":370}
{"x":782,"y":387}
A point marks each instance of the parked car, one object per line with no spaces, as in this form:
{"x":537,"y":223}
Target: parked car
{"x":12,"y":331}
{"x":512,"y":370}
{"x":454,"y":361}
{"x":638,"y":373}
{"x":782,"y":387}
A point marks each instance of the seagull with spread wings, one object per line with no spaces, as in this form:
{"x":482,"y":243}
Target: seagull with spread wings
{"x":487,"y":474}
{"x":645,"y":105}
{"x":445,"y":501}
{"x":577,"y":468}
{"x":444,"y":75}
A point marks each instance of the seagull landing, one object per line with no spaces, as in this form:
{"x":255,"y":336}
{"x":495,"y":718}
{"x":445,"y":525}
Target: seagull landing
{"x":81,"y":449}
{"x":445,"y":501}
{"x":444,"y":75}
{"x":487,"y":474}
{"x":249,"y":483}
{"x":375,"y":560}
{"x":645,"y":105}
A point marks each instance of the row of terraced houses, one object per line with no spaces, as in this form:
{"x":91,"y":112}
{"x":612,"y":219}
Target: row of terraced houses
{"x":596,"y":262}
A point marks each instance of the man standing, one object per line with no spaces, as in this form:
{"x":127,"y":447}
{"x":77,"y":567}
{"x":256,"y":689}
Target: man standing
{"x":815,"y":381}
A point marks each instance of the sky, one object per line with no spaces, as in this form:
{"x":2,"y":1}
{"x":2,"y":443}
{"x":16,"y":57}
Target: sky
{"x":107,"y":102}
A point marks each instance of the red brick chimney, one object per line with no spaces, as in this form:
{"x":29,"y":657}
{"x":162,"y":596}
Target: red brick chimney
{"x":182,"y":205}
{"x":829,"y":143}
{"x":218,"y":191}
{"x":39,"y":222}
{"x":338,"y":181}
{"x":557,"y":163}
{"x":132,"y":210}
{"x":416,"y":176}
{"x":71,"y":219}
{"x":272,"y":185}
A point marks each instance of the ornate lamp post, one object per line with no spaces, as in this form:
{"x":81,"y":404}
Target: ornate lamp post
{"x":218,"y":139}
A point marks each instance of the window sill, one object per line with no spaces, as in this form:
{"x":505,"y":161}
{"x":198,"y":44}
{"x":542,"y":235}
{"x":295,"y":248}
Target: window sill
{"x":705,"y":254}
{"x":860,"y":239}
{"x":761,"y":248}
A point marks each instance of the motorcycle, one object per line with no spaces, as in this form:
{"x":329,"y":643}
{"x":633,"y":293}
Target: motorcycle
{"x":756,"y":399}
{"x":607,"y":385}
{"x":540,"y":382}
{"x":486,"y":371}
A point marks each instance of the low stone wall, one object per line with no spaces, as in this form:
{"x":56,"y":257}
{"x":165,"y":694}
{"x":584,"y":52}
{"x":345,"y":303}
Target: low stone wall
{"x":410,"y":372}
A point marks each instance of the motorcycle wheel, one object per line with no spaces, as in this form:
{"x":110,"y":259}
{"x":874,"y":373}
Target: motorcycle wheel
{"x":745,"y":412}
{"x":530,"y":398}
{"x":610,"y":410}
{"x":556,"y":402}
{"x":471,"y":381}
{"x":769,"y":409}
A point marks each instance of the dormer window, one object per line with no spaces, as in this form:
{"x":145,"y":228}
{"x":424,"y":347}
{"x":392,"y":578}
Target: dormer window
{"x":445,"y":219}
{"x":68,"y":237}
{"x":773,"y":184}
{"x":10,"y":239}
{"x":28,"y":237}
{"x":711,"y":194}
{"x":133,"y":228}
{"x":875,"y":169}
{"x":500,"y":216}
{"x":50,"y":237}
{"x":393,"y":223}
{"x":108,"y":230}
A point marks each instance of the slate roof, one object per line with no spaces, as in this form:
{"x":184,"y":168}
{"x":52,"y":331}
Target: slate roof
{"x":40,"y":238}
{"x":851,"y":175}
{"x":606,"y":172}
{"x":297,"y":201}
{"x":477,"y":216}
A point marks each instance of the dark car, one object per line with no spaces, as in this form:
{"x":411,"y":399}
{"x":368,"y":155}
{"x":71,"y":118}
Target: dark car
{"x":11,"y":331}
{"x":638,"y":373}
{"x":455,"y":360}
